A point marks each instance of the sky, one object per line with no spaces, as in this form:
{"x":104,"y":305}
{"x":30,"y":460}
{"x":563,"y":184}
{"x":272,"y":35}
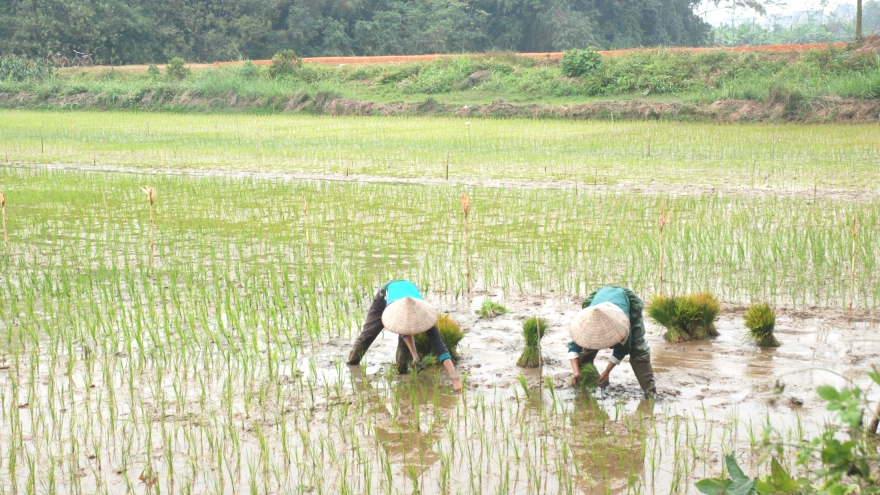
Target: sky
{"x":717,"y":15}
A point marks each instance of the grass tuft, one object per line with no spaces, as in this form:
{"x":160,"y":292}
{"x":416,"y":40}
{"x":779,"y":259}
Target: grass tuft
{"x":685,"y":318}
{"x":533,"y":330}
{"x":760,"y":319}
{"x":589,"y":379}
{"x":450,"y":332}
{"x":491,"y":309}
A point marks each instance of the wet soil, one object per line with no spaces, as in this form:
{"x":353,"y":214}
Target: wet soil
{"x":719,"y":374}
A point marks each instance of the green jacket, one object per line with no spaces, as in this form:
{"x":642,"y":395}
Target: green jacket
{"x":635,"y":341}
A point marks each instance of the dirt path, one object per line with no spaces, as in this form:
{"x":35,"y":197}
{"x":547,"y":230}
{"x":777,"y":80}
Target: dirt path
{"x":671,"y":189}
{"x":549,"y":56}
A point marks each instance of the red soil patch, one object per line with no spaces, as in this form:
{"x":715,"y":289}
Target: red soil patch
{"x":552,"y":56}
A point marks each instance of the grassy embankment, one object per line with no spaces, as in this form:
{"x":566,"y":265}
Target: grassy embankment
{"x":674,"y":84}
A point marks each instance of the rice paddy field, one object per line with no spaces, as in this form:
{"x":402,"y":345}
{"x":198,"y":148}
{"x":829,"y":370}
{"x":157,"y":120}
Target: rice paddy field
{"x":204,"y":352}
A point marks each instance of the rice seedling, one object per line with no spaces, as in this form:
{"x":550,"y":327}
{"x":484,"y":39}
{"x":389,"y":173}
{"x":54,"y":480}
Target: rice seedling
{"x":450,"y":332}
{"x":533,"y":330}
{"x":852,"y":285}
{"x":589,"y":380}
{"x":690,"y":317}
{"x":760,"y":319}
{"x":490,"y":309}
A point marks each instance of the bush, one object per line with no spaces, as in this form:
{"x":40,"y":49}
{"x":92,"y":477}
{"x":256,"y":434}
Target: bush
{"x":450,"y":332}
{"x":580,"y":63}
{"x":284,"y":63}
{"x":176,"y":70}
{"x":533,"y":330}
{"x":685,"y":318}
{"x":760,"y":319}
{"x":152,"y":71}
{"x":249,"y":70}
{"x":14,"y":68}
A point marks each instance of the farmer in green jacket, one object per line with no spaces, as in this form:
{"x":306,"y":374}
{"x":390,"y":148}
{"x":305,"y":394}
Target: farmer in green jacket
{"x":611,"y":318}
{"x":399,"y":308}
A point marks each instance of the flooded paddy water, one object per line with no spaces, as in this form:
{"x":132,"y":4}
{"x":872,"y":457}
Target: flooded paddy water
{"x":213,"y":362}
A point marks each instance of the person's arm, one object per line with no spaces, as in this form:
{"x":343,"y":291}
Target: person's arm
{"x":604,"y":377}
{"x":410,"y":342}
{"x":453,"y":375}
{"x":576,"y":372}
{"x":573,"y":351}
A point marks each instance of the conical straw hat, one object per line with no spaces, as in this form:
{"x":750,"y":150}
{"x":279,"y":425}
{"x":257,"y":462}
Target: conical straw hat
{"x":599,"y":327}
{"x":409,"y":316}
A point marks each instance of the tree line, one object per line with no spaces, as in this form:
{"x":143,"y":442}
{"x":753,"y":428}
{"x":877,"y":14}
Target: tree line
{"x":153,"y":31}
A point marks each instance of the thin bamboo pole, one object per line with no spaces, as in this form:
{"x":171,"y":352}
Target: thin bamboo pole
{"x":5,"y":235}
{"x":664,"y":219}
{"x":852,"y":283}
{"x":466,"y":206}
{"x":150,"y":191}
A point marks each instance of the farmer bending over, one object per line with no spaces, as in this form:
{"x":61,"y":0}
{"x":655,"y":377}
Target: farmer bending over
{"x":612,"y":317}
{"x":399,"y":307}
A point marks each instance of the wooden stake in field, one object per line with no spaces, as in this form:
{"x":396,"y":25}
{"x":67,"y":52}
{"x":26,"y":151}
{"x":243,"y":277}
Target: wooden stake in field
{"x":852,"y":283}
{"x":5,"y":236}
{"x":665,"y":216}
{"x":150,"y":191}
{"x":465,"y":207}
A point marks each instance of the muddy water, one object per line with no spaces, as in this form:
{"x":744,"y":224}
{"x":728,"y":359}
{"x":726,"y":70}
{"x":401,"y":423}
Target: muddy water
{"x":324,"y":427}
{"x":726,"y":386}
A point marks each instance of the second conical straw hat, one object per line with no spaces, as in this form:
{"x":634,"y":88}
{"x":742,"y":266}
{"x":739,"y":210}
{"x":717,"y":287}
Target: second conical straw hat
{"x":599,"y":327}
{"x":409,"y":316}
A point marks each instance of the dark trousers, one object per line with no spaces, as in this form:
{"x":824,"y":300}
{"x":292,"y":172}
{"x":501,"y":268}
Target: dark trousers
{"x":639,"y":359}
{"x":373,"y":327}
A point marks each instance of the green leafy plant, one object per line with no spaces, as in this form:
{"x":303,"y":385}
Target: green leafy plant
{"x":491,"y":309}
{"x":533,"y":330}
{"x":153,"y":71}
{"x":249,"y":70}
{"x":284,"y":63}
{"x":450,"y":332}
{"x":13,"y":68}
{"x":588,"y":380}
{"x":760,"y":319}
{"x":690,"y":317}
{"x":580,"y":63}
{"x":176,"y":69}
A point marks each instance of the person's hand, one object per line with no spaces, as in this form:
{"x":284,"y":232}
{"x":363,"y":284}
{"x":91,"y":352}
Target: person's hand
{"x":603,"y":380}
{"x":574,"y":380}
{"x":456,"y":384}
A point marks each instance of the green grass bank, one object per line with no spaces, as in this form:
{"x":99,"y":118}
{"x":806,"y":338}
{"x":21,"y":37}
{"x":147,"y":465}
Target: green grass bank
{"x":829,"y":85}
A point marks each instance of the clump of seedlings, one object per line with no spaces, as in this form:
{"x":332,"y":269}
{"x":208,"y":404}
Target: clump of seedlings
{"x":760,"y":319}
{"x":450,"y":332}
{"x":685,"y":318}
{"x":491,"y":309}
{"x":533,"y":330}
{"x":589,"y":380}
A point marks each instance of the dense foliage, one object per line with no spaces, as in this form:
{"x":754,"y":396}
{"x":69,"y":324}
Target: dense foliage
{"x":141,"y":31}
{"x":579,"y":63}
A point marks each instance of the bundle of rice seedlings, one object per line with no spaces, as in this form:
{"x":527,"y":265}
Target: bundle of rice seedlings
{"x":450,"y":332}
{"x":760,"y":319}
{"x":685,"y":318}
{"x":710,"y":307}
{"x":491,"y":309}
{"x":533,"y":330}
{"x":589,"y":379}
